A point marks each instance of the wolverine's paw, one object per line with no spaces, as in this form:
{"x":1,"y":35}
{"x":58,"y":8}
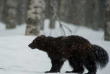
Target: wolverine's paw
{"x":69,"y":72}
{"x":90,"y":73}
{"x":79,"y":72}
{"x":51,"y":72}
{"x":47,"y":72}
{"x":73,"y":72}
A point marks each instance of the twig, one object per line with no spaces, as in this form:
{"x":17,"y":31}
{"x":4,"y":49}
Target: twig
{"x":50,"y":31}
{"x":55,"y":14}
{"x":68,"y":28}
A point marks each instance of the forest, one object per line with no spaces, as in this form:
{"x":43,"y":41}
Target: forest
{"x":78,"y":28}
{"x":90,"y":13}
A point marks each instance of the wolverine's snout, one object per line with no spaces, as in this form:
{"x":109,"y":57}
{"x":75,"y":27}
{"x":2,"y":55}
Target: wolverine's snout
{"x":31,"y":46}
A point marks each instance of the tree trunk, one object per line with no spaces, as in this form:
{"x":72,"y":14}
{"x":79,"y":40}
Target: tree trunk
{"x":61,"y":10}
{"x":102,"y":7}
{"x":10,"y":13}
{"x":96,"y":14}
{"x":22,"y":11}
{"x":35,"y":16}
{"x":50,"y":12}
{"x":89,"y":13}
{"x":72,"y":11}
{"x":53,"y":18}
{"x":1,"y":9}
{"x":107,"y":21}
{"x":78,"y":12}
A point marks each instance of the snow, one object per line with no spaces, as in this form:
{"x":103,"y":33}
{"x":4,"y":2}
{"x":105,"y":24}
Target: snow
{"x":17,"y":58}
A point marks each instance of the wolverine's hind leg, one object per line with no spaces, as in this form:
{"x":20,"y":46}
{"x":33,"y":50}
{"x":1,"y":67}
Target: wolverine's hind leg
{"x":91,"y":66}
{"x":76,"y":64}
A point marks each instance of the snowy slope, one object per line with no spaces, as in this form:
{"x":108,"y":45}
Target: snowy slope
{"x":17,"y":58}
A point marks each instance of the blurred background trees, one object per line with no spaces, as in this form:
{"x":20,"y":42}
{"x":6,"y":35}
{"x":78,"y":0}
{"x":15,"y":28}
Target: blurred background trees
{"x":107,"y":21}
{"x":90,"y":13}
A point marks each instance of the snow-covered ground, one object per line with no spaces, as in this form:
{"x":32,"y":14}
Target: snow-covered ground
{"x":17,"y":58}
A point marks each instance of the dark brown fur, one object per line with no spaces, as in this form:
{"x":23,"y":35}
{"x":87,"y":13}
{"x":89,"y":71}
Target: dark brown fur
{"x":77,"y":50}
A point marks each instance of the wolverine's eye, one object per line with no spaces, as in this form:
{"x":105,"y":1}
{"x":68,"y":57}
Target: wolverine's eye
{"x":35,"y":41}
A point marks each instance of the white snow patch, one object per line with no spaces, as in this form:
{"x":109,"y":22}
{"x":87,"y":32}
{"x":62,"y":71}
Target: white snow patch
{"x":17,"y":58}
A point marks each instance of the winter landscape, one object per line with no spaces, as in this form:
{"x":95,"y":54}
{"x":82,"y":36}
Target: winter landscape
{"x":21,"y":21}
{"x":17,"y":58}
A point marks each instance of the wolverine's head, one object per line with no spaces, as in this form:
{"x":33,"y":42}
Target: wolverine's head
{"x":38,"y":42}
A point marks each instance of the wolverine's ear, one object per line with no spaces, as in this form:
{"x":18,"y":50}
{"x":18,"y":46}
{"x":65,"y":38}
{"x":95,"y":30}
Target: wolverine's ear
{"x":42,"y":36}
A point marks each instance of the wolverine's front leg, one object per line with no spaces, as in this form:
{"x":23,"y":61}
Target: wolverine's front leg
{"x":57,"y":63}
{"x":56,"y":66}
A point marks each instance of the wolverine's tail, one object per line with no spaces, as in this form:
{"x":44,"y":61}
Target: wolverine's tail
{"x":101,"y":56}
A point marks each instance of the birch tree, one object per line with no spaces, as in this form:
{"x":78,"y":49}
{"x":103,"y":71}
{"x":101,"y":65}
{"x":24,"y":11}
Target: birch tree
{"x":35,"y":17}
{"x":107,"y":21}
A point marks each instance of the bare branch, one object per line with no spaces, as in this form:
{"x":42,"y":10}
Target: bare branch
{"x":57,"y":17}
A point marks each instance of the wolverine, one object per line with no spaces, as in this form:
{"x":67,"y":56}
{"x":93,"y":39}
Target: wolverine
{"x":77,"y":50}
